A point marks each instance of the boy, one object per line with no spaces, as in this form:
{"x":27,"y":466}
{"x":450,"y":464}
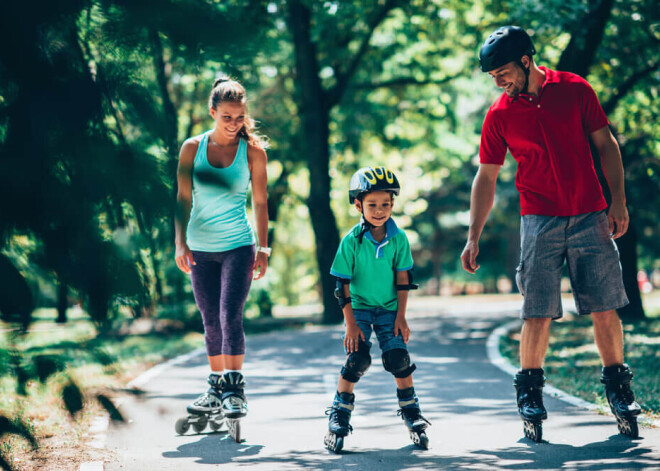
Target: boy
{"x":373,"y":266}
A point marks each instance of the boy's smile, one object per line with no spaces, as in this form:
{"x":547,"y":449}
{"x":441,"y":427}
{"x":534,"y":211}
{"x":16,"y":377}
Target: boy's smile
{"x":376,"y":207}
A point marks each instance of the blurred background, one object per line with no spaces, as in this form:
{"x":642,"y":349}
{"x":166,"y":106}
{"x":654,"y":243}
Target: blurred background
{"x":97,"y":96}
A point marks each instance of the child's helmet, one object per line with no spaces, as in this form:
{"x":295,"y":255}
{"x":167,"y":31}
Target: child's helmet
{"x":370,"y":179}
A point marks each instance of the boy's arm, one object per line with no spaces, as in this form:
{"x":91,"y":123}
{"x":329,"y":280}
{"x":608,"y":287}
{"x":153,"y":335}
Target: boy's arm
{"x":400,"y":324}
{"x":353,"y":332}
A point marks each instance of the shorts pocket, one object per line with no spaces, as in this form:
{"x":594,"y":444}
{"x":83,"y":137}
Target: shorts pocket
{"x":519,"y":281}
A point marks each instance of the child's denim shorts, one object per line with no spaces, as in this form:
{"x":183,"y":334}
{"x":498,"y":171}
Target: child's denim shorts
{"x":584,"y":241}
{"x":380,"y":321}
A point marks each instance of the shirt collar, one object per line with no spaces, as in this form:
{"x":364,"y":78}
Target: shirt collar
{"x":550,"y":77}
{"x":391,"y":229}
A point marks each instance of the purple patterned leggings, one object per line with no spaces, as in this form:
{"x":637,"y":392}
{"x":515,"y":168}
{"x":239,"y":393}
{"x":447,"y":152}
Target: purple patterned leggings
{"x":221,"y":282}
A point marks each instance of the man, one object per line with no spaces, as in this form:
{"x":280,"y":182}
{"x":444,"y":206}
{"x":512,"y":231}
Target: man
{"x":545,"y":119}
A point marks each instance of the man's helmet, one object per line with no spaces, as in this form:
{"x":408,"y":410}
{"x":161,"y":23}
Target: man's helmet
{"x":370,"y":179}
{"x":506,"y":44}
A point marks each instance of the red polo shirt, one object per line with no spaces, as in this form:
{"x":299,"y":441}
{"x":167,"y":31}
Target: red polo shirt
{"x":548,"y":136}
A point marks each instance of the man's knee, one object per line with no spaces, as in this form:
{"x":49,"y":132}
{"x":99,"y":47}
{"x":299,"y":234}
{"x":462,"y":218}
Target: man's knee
{"x":537,"y":323}
{"x":397,"y":362}
{"x":357,"y":364}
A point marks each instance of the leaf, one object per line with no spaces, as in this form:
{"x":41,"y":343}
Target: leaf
{"x":107,"y":404}
{"x":72,"y":397}
{"x":47,"y":365}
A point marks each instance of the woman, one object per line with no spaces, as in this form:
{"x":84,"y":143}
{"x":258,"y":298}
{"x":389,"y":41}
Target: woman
{"x":215,"y":242}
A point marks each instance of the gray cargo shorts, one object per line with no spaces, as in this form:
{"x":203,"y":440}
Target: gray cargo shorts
{"x":584,"y":241}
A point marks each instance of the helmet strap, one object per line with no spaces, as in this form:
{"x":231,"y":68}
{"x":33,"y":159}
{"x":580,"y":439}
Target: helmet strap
{"x":365,"y":226}
{"x":526,"y":70}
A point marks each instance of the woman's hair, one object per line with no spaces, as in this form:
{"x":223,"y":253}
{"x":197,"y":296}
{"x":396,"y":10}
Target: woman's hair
{"x":226,"y":90}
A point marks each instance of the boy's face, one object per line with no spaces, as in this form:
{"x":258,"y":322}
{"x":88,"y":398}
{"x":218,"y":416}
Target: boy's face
{"x":376,"y":207}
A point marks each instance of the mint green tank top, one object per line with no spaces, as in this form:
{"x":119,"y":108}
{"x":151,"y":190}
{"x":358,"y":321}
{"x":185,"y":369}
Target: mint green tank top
{"x":218,"y":218}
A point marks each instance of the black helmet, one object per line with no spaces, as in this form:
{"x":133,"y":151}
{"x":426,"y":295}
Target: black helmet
{"x":370,"y":179}
{"x":507,"y":44}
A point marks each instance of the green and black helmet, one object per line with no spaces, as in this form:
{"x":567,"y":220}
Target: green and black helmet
{"x":370,"y":179}
{"x":506,"y":44}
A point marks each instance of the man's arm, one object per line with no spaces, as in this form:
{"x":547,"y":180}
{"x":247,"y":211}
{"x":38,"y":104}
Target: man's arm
{"x":481,"y":202}
{"x":610,"y":160}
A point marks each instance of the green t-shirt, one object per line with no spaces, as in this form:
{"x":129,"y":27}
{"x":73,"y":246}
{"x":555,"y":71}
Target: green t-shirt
{"x":370,"y":266}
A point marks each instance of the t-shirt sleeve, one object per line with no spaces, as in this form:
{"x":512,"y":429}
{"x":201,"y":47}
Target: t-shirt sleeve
{"x":492,"y":149}
{"x":342,"y":266}
{"x":593,"y":116}
{"x":404,"y":260}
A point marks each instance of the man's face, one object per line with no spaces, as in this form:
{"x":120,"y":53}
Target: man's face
{"x":510,"y":77}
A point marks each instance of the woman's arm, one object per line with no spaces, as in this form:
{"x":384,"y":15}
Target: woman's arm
{"x":183,"y":255}
{"x":257,"y":164}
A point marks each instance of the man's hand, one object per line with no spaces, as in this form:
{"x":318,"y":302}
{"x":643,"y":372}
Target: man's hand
{"x":618,"y":218}
{"x":352,"y":338}
{"x":469,"y":257}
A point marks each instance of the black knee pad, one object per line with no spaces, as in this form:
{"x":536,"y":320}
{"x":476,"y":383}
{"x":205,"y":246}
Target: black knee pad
{"x":357,"y":364}
{"x":397,"y":362}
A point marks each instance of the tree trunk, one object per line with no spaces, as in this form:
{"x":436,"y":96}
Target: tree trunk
{"x":627,"y":245}
{"x":314,"y":115}
{"x":585,"y":40}
{"x":578,"y":58}
{"x":62,"y":302}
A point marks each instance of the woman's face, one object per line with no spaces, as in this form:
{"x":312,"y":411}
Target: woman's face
{"x":229,"y":118}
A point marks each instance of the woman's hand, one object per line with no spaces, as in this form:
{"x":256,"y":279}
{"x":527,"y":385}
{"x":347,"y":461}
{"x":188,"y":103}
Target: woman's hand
{"x":260,"y":265}
{"x":352,"y":337}
{"x":184,"y":258}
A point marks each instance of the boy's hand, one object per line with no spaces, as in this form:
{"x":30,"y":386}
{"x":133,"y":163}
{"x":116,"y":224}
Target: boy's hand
{"x":352,"y":338}
{"x":401,"y":326}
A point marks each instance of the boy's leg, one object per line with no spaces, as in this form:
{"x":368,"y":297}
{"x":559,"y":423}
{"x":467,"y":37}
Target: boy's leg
{"x":357,"y":363}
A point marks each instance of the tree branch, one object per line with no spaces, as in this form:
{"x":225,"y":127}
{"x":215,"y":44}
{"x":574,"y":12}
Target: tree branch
{"x":403,"y":82}
{"x":627,"y":85}
{"x":334,"y":94}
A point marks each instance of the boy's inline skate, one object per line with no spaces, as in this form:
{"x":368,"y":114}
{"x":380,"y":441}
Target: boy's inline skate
{"x":339,"y":421}
{"x":412,"y":416}
{"x":234,"y":403}
{"x":621,"y":399}
{"x":205,"y":410}
{"x":529,"y":395}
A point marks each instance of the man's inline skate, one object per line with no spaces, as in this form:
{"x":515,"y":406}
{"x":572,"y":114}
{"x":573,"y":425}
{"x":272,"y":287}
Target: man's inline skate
{"x":621,"y":399}
{"x":234,"y":403}
{"x":529,"y":395}
{"x":339,"y":421}
{"x":412,"y":416}
{"x":205,"y":410}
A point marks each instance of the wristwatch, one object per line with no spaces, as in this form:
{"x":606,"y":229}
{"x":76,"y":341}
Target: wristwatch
{"x":266,"y":250}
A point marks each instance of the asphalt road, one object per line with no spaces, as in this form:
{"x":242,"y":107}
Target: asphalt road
{"x":291,"y":379}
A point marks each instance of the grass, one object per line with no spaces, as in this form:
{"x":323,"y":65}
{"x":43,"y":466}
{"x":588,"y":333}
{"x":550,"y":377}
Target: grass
{"x":98,"y":365}
{"x":573,"y":365}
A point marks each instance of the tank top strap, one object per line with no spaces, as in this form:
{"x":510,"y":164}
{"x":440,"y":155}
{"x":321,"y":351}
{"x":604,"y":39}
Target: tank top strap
{"x":200,"y":156}
{"x":242,"y":153}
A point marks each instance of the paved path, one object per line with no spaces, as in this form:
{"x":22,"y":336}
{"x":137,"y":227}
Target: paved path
{"x":291,"y":379}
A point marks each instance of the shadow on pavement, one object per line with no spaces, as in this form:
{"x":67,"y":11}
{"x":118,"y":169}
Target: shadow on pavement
{"x":616,"y":452}
{"x":216,"y":448}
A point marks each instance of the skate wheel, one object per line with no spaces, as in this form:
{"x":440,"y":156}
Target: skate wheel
{"x":423,"y":441}
{"x":628,"y":427}
{"x":182,"y":425}
{"x":200,"y":424}
{"x":534,"y":431}
{"x":215,"y":426}
{"x":333,"y":442}
{"x":235,"y":429}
